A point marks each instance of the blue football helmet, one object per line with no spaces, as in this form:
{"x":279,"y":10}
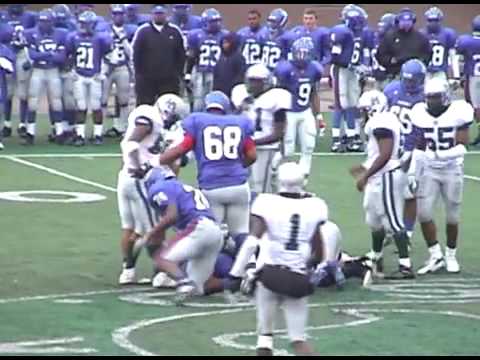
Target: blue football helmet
{"x":45,"y":21}
{"x":476,"y":24}
{"x":61,"y":12}
{"x":181,"y":10}
{"x":118,"y":14}
{"x":86,"y":22}
{"x":80,"y":8}
{"x":277,"y":21}
{"x":217,"y":100}
{"x":386,"y":23}
{"x":303,"y":51}
{"x":212,"y":20}
{"x":355,"y":20}
{"x":412,"y":76}
{"x":406,"y":19}
{"x":434,"y":17}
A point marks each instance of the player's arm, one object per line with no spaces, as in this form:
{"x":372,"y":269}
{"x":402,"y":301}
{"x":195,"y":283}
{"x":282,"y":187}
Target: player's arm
{"x":460,"y":149}
{"x":249,"y":152}
{"x":143,"y":127}
{"x":279,"y":123}
{"x":385,"y":148}
{"x":177,"y":152}
{"x":168,"y":219}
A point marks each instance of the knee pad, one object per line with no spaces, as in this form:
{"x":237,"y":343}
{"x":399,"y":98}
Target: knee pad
{"x":33,"y":103}
{"x":453,"y":213}
{"x":424,"y":210}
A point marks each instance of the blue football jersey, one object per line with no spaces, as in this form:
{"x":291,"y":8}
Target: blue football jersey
{"x":47,"y":51}
{"x":219,"y":142}
{"x":193,"y":22}
{"x":88,"y":51}
{"x":207,"y":46}
{"x":441,"y":43}
{"x":342,"y":46}
{"x":276,"y":49}
{"x":251,"y":43}
{"x":469,"y":47}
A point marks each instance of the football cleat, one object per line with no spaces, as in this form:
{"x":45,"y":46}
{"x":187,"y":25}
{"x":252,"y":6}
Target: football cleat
{"x":79,"y":141}
{"x":1,"y":146}
{"x":6,"y":131}
{"x":22,"y":131}
{"x":97,"y":140}
{"x":403,"y":273}
{"x":433,"y":264}
{"x":185,"y":290}
{"x":336,"y":147}
{"x":452,"y":264}
{"x":127,"y":277}
{"x":27,"y":140}
{"x":377,"y":268}
{"x":161,"y":280}
{"x":113,"y":133}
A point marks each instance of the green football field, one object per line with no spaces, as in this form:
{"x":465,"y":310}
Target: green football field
{"x":60,"y":263}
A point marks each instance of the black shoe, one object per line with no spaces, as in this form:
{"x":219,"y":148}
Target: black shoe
{"x":97,"y":140}
{"x":79,"y":141}
{"x":403,"y":273}
{"x":6,"y":132}
{"x":113,"y":133}
{"x":27,"y":140}
{"x":22,"y":131}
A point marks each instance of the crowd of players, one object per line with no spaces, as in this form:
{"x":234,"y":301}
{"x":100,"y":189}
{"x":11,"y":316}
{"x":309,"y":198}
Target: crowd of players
{"x":252,"y":226}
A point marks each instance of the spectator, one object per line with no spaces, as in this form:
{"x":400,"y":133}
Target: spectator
{"x":158,"y":58}
{"x":402,"y":43}
{"x":230,"y":68}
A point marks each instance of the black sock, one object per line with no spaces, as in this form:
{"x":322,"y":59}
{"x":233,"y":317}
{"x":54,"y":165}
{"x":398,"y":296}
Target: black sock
{"x":377,"y":240}
{"x":152,"y":249}
{"x":128,"y":262}
{"x":401,"y":240}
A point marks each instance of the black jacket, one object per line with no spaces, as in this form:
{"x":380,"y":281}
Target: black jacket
{"x":230,"y":68}
{"x":397,"y":47}
{"x":157,"y":54}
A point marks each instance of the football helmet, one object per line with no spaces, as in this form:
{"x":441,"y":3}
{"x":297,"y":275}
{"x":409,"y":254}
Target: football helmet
{"x":412,"y":76}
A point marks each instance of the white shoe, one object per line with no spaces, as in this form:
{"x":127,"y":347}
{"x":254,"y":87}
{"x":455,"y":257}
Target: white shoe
{"x":1,"y":146}
{"x":127,"y":276}
{"x":452,"y":264}
{"x":433,"y":264}
{"x":185,"y":291}
{"x":367,"y":278}
{"x":161,"y":280}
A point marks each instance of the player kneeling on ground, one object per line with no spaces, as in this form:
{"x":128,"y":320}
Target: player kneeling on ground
{"x":198,"y":239}
{"x":288,"y":224}
{"x":383,"y":181}
{"x":444,"y":125}
{"x":140,"y":150}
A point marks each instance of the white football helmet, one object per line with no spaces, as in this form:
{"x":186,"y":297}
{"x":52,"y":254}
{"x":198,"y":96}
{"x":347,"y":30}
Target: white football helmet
{"x":290,"y":178}
{"x":171,"y":108}
{"x":258,"y":79}
{"x":373,"y":101}
{"x":437,"y":94}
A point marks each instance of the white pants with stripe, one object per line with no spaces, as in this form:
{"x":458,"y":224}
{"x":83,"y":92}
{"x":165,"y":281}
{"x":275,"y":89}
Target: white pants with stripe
{"x":135,"y":211}
{"x":384,"y":201}
{"x":231,"y":205}
{"x":199,"y":244}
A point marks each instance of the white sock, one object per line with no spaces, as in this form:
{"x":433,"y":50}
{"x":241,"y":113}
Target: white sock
{"x":335,"y":133}
{"x":450,"y":252}
{"x":31,"y":128}
{"x":350,"y":133}
{"x":97,"y":130}
{"x":410,"y":234}
{"x":7,"y":124}
{"x":405,"y":262}
{"x":59,"y":128}
{"x":80,"y":128}
{"x":357,"y":126}
{"x":435,"y":250}
{"x":66,"y":126}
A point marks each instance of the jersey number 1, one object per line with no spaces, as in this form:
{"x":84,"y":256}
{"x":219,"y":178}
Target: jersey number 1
{"x":292,"y":244}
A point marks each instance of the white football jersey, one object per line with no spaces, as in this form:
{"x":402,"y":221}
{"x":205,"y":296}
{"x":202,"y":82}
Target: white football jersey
{"x":440,"y":132}
{"x":389,"y":121}
{"x":291,"y":224}
{"x":262,"y":108}
{"x":143,"y":115}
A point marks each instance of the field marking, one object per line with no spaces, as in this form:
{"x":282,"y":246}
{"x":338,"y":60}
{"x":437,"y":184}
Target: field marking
{"x":61,"y":174}
{"x":32,"y":347}
{"x":120,"y":335}
{"x":470,"y":177}
{"x":117,"y":155}
{"x":73,"y":301}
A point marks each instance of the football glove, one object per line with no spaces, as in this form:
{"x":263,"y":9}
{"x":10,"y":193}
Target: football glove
{"x":141,"y":171}
{"x":249,"y":281}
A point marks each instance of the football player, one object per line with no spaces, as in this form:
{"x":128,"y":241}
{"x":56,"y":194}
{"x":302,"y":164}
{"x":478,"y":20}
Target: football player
{"x":63,"y":17}
{"x":118,"y":68}
{"x":387,"y":21}
{"x":252,"y":38}
{"x":279,"y":39}
{"x":87,"y":49}
{"x":442,"y":41}
{"x":468,"y":46}
{"x":7,"y":66}
{"x":444,"y":124}
{"x":182,"y":17}
{"x":291,"y":244}
{"x":18,"y":20}
{"x":197,"y":242}
{"x":46,"y":46}
{"x":144,"y":137}
{"x":267,"y":109}
{"x":300,"y":77}
{"x":224,"y":149}
{"x":204,"y":50}
{"x":134,"y":17}
{"x":402,"y":95}
{"x":383,"y":181}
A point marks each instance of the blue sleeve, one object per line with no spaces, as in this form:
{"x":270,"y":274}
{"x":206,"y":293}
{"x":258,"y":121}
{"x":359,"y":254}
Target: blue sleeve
{"x":452,"y":38}
{"x":188,"y":125}
{"x":416,"y":139}
{"x":36,"y":55}
{"x":161,"y":195}
{"x":318,"y":71}
{"x":248,"y":127}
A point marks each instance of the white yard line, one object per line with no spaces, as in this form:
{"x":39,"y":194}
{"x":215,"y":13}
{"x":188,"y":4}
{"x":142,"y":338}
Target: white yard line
{"x":62,"y":174}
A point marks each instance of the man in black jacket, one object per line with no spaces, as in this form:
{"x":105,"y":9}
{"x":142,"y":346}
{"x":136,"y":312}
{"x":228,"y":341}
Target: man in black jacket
{"x":158,"y":58}
{"x":402,"y":43}
{"x":230,"y":68}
